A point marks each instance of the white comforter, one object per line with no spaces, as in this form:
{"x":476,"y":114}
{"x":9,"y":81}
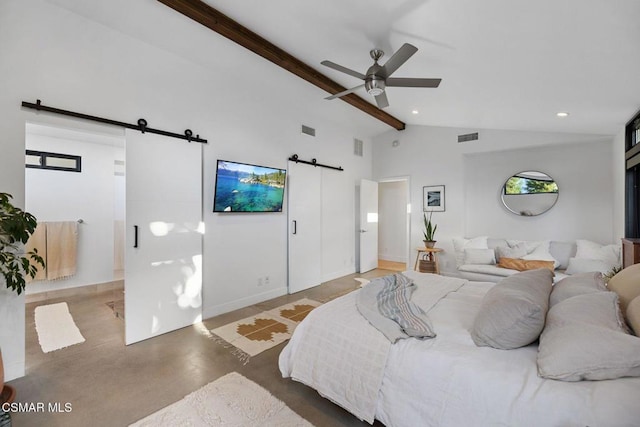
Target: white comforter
{"x":445,"y":381}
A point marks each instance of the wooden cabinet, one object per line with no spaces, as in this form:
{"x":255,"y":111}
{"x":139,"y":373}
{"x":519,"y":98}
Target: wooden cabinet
{"x":630,"y":252}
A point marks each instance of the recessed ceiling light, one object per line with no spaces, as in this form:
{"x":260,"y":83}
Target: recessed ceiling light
{"x":414,"y":112}
{"x":562,"y":114}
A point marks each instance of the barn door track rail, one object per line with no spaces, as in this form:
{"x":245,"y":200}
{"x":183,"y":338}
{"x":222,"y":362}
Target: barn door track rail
{"x":141,"y":125}
{"x":314,"y":162}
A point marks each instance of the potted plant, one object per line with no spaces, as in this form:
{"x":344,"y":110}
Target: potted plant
{"x":429,"y":231}
{"x":15,"y":228}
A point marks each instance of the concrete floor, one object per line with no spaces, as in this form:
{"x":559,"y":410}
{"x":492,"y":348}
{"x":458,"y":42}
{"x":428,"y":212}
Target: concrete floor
{"x":109,"y":384}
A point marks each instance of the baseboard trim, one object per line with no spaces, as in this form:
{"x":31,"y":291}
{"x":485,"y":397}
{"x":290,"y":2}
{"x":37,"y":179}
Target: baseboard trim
{"x":208,"y":312}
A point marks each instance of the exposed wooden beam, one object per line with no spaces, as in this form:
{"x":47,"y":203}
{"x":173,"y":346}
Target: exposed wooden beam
{"x":222,"y":24}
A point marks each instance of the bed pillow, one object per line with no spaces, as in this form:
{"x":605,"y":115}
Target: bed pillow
{"x":585,"y":339}
{"x":577,"y":284}
{"x":586,"y":265}
{"x":479,"y":256}
{"x":591,"y":250}
{"x":626,"y":284}
{"x":633,"y":315}
{"x":512,"y":313}
{"x":517,"y":251}
{"x":460,"y":244}
{"x":524,"y":264}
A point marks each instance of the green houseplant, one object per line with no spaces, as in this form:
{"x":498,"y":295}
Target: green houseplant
{"x":429,"y":230}
{"x":16,"y":226}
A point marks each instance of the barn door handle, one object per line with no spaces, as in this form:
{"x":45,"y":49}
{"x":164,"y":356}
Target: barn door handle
{"x":135,"y":236}
{"x":295,"y":226}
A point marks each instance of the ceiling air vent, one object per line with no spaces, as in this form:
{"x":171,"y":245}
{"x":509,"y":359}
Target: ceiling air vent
{"x":308,"y":130}
{"x":468,"y":137}
{"x":357,"y":147}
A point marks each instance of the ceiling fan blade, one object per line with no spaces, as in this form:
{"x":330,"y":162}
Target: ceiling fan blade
{"x":344,"y":92}
{"x":410,"y":82}
{"x":343,"y":69}
{"x":405,"y":52}
{"x":382,"y":100}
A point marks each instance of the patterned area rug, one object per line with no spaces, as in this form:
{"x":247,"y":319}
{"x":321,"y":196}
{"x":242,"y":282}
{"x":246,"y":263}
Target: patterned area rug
{"x":258,"y":333}
{"x":231,"y":400}
{"x":55,"y":327}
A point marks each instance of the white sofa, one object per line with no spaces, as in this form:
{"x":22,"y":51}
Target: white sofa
{"x":471,"y":258}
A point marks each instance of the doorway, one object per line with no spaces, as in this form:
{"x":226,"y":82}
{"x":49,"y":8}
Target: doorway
{"x":73,"y":176}
{"x":394,"y":223}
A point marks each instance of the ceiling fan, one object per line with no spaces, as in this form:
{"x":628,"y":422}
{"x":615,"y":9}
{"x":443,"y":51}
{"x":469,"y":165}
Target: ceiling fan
{"x":379,"y":76}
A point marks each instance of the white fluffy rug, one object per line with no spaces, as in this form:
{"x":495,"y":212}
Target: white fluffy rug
{"x":55,"y":327}
{"x":231,"y":400}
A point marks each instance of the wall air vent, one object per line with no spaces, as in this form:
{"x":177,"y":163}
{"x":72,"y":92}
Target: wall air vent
{"x":308,"y":130}
{"x":468,"y":137}
{"x":357,"y":147}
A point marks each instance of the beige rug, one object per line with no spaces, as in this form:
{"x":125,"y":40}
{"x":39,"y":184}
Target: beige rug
{"x":255,"y":334}
{"x":55,"y":327}
{"x":231,"y":400}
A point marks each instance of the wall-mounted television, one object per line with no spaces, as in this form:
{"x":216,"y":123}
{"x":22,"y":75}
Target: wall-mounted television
{"x":242,"y":187}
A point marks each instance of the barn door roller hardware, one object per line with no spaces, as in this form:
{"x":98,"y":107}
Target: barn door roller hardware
{"x":141,"y":125}
{"x":313,"y":162}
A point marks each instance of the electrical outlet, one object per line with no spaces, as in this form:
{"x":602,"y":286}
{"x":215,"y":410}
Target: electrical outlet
{"x":259,"y":281}
{"x":266,"y":280}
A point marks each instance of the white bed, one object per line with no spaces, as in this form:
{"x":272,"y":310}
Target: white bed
{"x":447,"y":380}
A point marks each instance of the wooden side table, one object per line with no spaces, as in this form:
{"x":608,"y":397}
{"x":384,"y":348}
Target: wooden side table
{"x":432,"y":258}
{"x":630,"y":251}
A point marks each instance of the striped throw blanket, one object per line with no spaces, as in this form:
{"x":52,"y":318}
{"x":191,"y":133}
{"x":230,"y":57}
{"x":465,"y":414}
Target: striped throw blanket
{"x":386,"y":303}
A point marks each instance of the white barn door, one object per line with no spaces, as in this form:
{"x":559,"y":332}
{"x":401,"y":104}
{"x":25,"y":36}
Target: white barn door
{"x":305,"y":234}
{"x":163,"y":255}
{"x":368,"y":225}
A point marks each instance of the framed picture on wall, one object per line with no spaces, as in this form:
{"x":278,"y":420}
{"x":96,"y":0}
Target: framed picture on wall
{"x":433,"y":198}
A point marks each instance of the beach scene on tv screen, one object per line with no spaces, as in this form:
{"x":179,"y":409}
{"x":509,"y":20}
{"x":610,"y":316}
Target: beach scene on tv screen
{"x":248,"y":188}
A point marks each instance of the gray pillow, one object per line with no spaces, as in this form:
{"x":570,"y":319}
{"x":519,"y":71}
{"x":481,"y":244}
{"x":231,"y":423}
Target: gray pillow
{"x":585,"y":339}
{"x":513,"y":312}
{"x":517,"y":251}
{"x":479,"y":256}
{"x":577,"y":284}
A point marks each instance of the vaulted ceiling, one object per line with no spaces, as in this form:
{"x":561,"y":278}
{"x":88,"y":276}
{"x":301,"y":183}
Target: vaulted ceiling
{"x":504,"y":64}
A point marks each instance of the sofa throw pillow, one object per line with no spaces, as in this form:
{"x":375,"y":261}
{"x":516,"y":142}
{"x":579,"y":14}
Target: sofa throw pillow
{"x":633,"y":315}
{"x":524,"y":264}
{"x":578,"y":284}
{"x":479,"y":256}
{"x":586,"y":265}
{"x":592,"y":250}
{"x":513,"y":312}
{"x":460,"y":244}
{"x":584,"y":339}
{"x":517,"y":251}
{"x":626,"y":284}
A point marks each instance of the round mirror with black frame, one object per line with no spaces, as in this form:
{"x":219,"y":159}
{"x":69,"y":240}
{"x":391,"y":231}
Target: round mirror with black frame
{"x":529,"y":193}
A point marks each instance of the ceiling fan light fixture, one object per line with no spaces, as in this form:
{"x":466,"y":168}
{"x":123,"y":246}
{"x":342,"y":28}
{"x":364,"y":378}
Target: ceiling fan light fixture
{"x":374,"y":86}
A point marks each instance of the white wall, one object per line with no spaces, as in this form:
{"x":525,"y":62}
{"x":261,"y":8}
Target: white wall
{"x":68,"y":196}
{"x":584,"y":208}
{"x":249,"y":109}
{"x":432,"y":156}
{"x":392,"y":221}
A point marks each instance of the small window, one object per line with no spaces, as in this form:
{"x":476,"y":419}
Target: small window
{"x":53,"y":161}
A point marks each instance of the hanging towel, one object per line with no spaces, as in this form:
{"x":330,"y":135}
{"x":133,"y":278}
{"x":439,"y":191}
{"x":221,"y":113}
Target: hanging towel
{"x":62,"y":244}
{"x":38,"y":240}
